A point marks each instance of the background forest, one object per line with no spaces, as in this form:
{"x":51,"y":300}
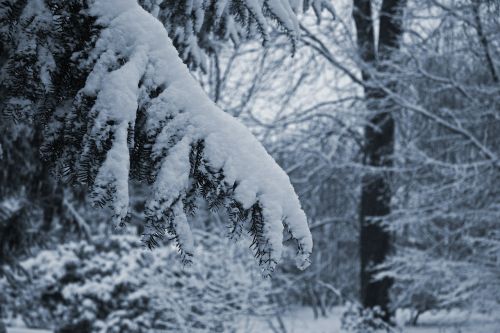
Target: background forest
{"x":385,"y":115}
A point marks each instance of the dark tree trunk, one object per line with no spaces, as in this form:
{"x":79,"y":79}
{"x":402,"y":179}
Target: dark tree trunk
{"x":375,"y":240}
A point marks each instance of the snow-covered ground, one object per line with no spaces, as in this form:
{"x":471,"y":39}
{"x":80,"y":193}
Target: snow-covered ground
{"x":299,"y":321}
{"x":456,"y":322}
{"x":302,"y":320}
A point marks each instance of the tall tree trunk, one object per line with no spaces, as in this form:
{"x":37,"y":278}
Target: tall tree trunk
{"x":375,"y":240}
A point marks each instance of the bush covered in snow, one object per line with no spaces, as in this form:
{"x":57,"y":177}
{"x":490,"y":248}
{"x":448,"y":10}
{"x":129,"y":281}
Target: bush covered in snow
{"x":113,"y":285}
{"x":356,"y":319}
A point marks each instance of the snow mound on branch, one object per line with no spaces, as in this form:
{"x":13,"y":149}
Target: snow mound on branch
{"x":182,"y":115}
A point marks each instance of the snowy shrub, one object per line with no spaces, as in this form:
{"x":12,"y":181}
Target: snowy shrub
{"x":430,"y":281}
{"x":357,"y":319}
{"x":114,"y":285}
